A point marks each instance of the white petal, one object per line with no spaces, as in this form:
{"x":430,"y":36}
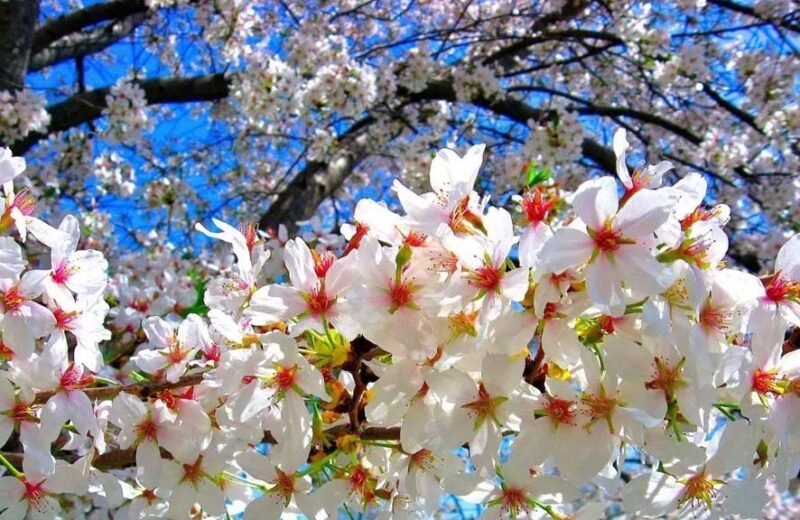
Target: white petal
{"x":567,"y":248}
{"x":596,"y":201}
{"x":620,"y":147}
{"x":643,"y":213}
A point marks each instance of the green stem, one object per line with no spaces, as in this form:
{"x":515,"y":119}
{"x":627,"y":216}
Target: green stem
{"x":327,"y":330}
{"x":236,"y":479}
{"x":381,"y":444}
{"x":11,"y":469}
{"x":316,"y":466}
{"x":547,"y":509}
{"x":107,"y":381}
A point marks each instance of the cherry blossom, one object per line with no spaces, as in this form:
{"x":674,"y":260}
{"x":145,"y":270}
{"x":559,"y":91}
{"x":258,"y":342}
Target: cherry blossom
{"x":602,"y":336}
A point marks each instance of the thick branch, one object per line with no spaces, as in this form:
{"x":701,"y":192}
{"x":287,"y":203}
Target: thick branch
{"x":317,"y":181}
{"x":86,"y":43}
{"x":519,"y":111}
{"x":78,"y":21}
{"x":17,"y":20}
{"x":570,"y":10}
{"x":87,"y":106}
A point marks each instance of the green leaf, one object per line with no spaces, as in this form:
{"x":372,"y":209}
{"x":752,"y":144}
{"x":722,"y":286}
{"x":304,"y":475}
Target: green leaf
{"x":198,"y":307}
{"x":537,"y":175}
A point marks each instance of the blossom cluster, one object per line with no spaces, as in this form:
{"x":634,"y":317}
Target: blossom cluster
{"x":519,"y":361}
{"x":21,"y":112}
{"x":125,"y":112}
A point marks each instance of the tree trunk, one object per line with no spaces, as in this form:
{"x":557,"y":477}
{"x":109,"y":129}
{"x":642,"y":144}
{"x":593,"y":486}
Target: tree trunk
{"x":17,"y":23}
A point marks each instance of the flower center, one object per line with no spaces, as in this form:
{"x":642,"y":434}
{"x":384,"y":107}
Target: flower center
{"x":560,"y":411}
{"x":463,"y":219}
{"x":698,"y":215}
{"x":193,"y":473}
{"x":25,"y":202}
{"x":698,"y":488}
{"x":608,"y":239}
{"x":74,"y":379}
{"x":714,"y":318}
{"x":400,"y":294}
{"x":176,"y":355}
{"x":147,"y":430}
{"x":284,"y":485}
{"x":765,"y":382}
{"x":535,"y":207}
{"x":318,"y":301}
{"x":484,"y":406}
{"x":415,"y":239}
{"x":423,"y":459}
{"x":780,"y":289}
{"x":213,"y":353}
{"x":6,"y":354}
{"x":61,"y":273}
{"x":608,"y":323}
{"x":21,"y":412}
{"x":64,"y":319}
{"x":463,"y":323}
{"x":250,"y":232}
{"x":140,"y":304}
{"x":34,"y":492}
{"x":599,"y":406}
{"x":149,"y":495}
{"x":487,"y":278}
{"x":358,"y":236}
{"x":514,"y":501}
{"x":666,"y":377}
{"x":285,"y":377}
{"x":12,"y":299}
{"x":550,"y":311}
{"x":360,"y":483}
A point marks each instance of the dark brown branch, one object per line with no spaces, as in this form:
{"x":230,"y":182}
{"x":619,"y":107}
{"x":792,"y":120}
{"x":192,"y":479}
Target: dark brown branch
{"x":569,"y":34}
{"x":87,"y":106}
{"x":570,"y":10}
{"x":77,"y":21}
{"x":17,"y":20}
{"x":519,"y":111}
{"x":591,"y":109}
{"x":731,"y":108}
{"x":139,"y":389}
{"x":317,"y":181}
{"x":730,"y":5}
{"x":86,"y":43}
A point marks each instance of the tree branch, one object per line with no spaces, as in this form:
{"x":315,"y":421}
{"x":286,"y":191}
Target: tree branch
{"x":519,"y":111}
{"x":119,"y":459}
{"x":86,"y":43}
{"x":139,"y":389}
{"x":87,"y":106}
{"x":317,"y":181}
{"x":17,"y":20}
{"x":731,"y":108}
{"x":730,"y":5}
{"x":77,"y":21}
{"x":568,"y":11}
